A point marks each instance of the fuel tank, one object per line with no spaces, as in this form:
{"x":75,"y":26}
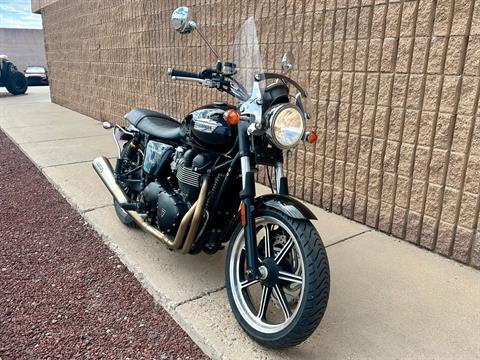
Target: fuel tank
{"x":208,"y":128}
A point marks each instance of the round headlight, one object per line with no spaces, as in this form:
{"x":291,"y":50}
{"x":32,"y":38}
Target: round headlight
{"x":286,"y":125}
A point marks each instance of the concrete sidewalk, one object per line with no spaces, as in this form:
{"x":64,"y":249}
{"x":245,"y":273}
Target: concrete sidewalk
{"x":389,"y":299}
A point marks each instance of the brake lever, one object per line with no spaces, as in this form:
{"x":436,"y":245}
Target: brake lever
{"x":209,"y":83}
{"x":174,"y":78}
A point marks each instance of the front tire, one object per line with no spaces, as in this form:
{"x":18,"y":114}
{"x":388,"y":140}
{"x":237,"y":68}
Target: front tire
{"x":286,"y":306}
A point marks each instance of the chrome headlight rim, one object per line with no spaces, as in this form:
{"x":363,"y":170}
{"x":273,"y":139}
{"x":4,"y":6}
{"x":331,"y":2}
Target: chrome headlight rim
{"x":272,"y":116}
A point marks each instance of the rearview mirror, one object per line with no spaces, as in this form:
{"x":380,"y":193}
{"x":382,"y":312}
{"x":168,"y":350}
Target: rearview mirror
{"x":181,"y":21}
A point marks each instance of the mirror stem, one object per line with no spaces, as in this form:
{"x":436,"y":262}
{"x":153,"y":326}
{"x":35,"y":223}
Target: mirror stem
{"x":206,"y":41}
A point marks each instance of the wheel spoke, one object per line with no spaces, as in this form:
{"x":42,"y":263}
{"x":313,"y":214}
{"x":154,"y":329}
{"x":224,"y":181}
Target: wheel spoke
{"x":247,"y":283}
{"x":268,"y":245}
{"x":283,"y":275}
{"x":282,"y":300}
{"x":286,"y":248}
{"x":266,"y":294}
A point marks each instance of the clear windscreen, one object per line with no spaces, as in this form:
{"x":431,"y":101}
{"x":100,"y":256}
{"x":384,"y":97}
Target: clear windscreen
{"x":249,"y":61}
{"x":246,"y":54}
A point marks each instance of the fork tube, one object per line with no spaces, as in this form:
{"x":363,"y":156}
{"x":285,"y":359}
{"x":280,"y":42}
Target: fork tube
{"x":247,"y":196}
{"x":282,"y":185}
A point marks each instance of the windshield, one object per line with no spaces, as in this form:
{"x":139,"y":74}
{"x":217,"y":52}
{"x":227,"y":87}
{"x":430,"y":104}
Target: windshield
{"x":249,"y":60}
{"x":246,"y":54}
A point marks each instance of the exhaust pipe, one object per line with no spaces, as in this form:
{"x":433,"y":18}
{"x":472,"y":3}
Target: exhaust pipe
{"x":104,"y":170}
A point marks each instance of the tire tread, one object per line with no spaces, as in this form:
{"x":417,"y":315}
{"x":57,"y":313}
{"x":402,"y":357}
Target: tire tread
{"x":317,"y":288}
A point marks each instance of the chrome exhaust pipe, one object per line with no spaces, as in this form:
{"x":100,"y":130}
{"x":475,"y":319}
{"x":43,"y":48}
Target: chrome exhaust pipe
{"x":104,"y":170}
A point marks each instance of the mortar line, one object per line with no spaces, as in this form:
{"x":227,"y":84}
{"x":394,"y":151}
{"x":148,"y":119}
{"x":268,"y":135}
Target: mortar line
{"x":348,"y":238}
{"x":309,"y":72}
{"x":373,"y":126}
{"x":418,"y":120}
{"x":327,"y":100}
{"x":403,"y":120}
{"x":362,"y":105}
{"x":348,"y":132}
{"x":317,"y":100}
{"x":386,"y":138}
{"x":445,"y":178}
{"x":342,"y":38}
{"x":431,"y":145}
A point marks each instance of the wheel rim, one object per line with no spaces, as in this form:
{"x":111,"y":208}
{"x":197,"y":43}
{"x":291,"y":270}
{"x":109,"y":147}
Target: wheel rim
{"x":270,"y":304}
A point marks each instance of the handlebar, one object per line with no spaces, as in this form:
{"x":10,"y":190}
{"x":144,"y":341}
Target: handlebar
{"x":183,"y":73}
{"x":211,"y":77}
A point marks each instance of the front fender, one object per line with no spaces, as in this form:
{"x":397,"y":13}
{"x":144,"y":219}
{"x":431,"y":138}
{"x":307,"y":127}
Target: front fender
{"x":290,"y":206}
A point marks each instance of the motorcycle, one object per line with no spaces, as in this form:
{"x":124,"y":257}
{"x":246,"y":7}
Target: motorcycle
{"x":192,"y":186}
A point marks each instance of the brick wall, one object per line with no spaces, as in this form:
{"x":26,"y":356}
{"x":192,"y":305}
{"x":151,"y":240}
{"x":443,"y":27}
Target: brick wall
{"x":395,"y":89}
{"x":37,"y":5}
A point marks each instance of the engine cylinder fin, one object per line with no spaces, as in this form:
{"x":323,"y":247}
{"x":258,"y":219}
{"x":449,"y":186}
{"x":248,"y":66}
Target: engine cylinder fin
{"x":188,"y":176}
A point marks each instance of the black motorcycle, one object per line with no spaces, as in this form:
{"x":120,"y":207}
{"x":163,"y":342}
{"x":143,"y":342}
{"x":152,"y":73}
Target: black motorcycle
{"x":192,"y":186}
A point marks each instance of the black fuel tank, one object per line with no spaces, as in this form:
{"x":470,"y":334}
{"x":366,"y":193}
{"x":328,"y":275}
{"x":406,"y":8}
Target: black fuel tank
{"x":210,"y":130}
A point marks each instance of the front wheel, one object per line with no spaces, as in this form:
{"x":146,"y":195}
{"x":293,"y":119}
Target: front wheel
{"x":285,"y":306}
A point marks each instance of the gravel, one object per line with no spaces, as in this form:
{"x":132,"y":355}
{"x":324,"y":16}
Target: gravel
{"x":63,"y":293}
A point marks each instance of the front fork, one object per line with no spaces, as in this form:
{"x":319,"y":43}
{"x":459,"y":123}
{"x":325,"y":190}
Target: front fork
{"x":247,"y":197}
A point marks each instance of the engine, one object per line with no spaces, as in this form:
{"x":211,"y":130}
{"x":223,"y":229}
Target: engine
{"x":167,"y":202}
{"x":189,"y":166}
{"x":166,"y":205}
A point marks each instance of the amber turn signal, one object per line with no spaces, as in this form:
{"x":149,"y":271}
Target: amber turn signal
{"x":312,"y":137}
{"x":232,"y":117}
{"x":243,"y":213}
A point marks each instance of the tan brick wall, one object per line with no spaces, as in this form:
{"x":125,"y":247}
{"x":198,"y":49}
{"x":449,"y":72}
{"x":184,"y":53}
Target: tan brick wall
{"x":38,"y":5}
{"x":395,"y":87}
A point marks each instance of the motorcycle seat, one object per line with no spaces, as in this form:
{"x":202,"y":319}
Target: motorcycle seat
{"x":155,"y":123}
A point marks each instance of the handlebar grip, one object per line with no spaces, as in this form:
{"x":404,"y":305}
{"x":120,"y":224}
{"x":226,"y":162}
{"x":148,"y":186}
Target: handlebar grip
{"x":182,"y":73}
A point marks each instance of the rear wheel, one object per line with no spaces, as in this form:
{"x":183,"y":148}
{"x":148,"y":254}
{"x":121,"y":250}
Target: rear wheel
{"x":16,"y":83}
{"x":131,"y":195}
{"x":284,"y":306}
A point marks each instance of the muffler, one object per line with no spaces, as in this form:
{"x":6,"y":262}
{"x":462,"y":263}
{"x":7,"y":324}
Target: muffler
{"x":105,"y":171}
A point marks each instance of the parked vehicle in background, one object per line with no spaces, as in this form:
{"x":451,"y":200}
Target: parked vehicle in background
{"x":11,"y":78}
{"x":36,"y":75}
